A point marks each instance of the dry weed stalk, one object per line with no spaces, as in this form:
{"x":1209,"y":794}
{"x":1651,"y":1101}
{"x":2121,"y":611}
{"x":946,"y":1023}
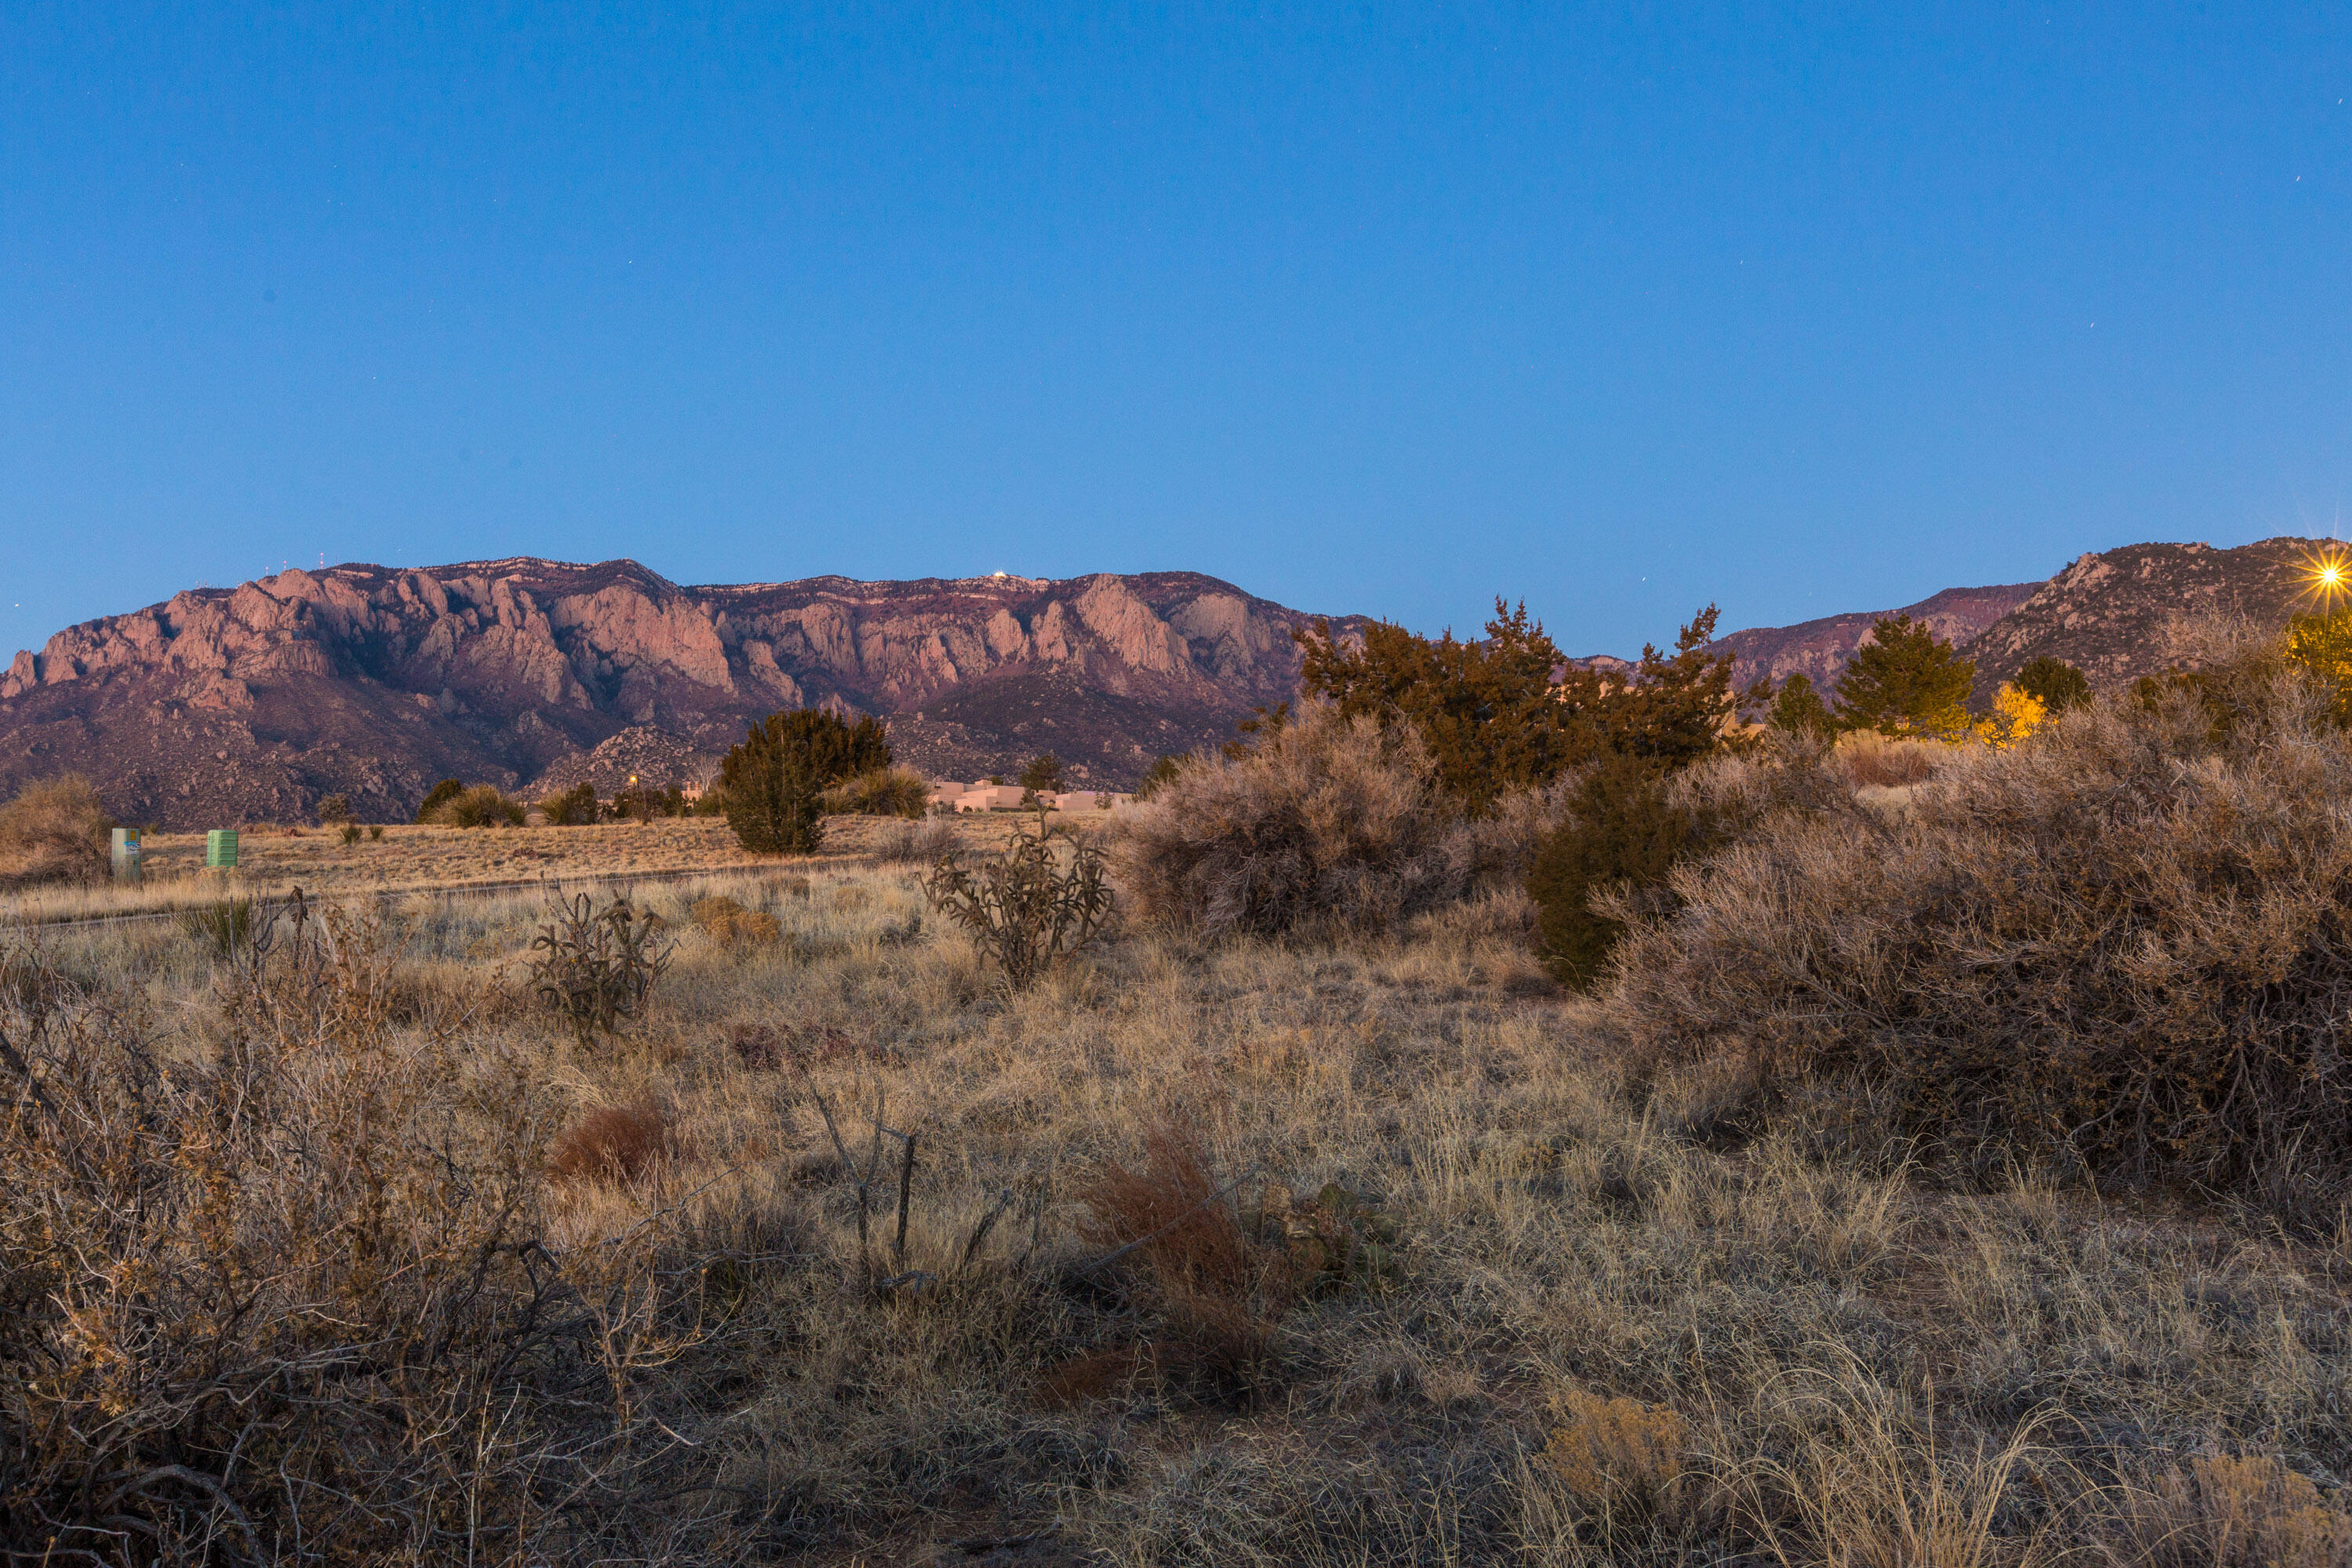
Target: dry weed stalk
{"x":863,"y":1177}
{"x":1868,"y":1484}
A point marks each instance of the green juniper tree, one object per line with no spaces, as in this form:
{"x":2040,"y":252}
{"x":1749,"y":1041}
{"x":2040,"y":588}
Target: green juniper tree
{"x":1798,"y":709}
{"x":439,"y":795}
{"x":1905,"y":681}
{"x":1041,"y":774}
{"x":2055,"y":683}
{"x":773,"y":781}
{"x":1161,"y":774}
{"x":1510,"y":713}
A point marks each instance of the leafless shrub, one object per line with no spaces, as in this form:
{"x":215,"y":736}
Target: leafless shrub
{"x":1327,"y":822}
{"x":2122,"y":946}
{"x":1045,"y":899}
{"x":54,"y":831}
{"x":290,"y":1301}
{"x":596,"y":968}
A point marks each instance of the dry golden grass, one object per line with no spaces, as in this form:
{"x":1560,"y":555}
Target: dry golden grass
{"x":1587,"y":1336}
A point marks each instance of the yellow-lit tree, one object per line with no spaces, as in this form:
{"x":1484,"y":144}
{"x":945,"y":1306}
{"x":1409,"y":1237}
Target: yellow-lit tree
{"x":2016,"y":713}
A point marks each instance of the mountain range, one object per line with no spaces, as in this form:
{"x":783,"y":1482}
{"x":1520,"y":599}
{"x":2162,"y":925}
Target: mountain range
{"x":223,"y":705}
{"x":370,"y":682}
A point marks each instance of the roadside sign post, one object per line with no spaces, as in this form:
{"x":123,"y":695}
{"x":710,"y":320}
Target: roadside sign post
{"x":124,"y":854}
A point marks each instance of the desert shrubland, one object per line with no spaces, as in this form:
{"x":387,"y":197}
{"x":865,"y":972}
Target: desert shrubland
{"x":287,"y":1292}
{"x":2117,"y":952}
{"x":1364,"y":1243}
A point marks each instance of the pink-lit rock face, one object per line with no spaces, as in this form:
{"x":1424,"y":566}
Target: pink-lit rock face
{"x":372,"y":681}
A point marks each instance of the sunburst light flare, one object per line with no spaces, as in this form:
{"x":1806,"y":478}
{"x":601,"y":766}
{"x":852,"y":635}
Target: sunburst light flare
{"x":2327,"y":575}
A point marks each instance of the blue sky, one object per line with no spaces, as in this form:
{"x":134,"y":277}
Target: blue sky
{"x":1365,"y":308}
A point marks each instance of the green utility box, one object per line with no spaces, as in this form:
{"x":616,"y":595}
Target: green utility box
{"x":220,"y":849}
{"x":124,"y":853}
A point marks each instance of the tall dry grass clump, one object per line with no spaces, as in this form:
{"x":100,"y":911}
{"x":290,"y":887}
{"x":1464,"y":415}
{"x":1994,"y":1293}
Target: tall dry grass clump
{"x":880,"y":792}
{"x":2221,"y":1510}
{"x":2122,"y":947}
{"x":481,"y":807}
{"x":288,"y":1297}
{"x":1329,"y":822}
{"x":54,"y":831}
{"x":918,"y":843}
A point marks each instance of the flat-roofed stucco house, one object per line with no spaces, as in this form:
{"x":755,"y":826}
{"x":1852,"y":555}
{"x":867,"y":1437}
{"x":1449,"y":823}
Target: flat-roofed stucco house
{"x":986,"y":796}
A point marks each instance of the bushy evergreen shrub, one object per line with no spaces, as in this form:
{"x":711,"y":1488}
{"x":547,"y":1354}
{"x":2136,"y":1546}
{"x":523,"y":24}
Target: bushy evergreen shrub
{"x":575,"y":807}
{"x":2055,"y":684}
{"x":1798,"y":710}
{"x":440,"y":795}
{"x":1161,"y":773}
{"x":1624,"y":828}
{"x":775,"y":781}
{"x":881,"y":792}
{"x":481,"y":807}
{"x":1510,"y":713}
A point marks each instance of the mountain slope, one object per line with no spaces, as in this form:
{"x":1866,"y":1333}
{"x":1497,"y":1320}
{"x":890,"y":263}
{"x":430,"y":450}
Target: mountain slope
{"x":1819,"y":649}
{"x":371,"y":682}
{"x":2114,"y":614}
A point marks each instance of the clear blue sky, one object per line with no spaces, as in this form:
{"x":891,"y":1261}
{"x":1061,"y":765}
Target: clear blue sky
{"x":1365,"y":308}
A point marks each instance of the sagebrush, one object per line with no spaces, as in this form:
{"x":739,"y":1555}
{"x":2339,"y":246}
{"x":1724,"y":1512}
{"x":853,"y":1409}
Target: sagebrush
{"x":2119,"y":947}
{"x":1329,"y":822}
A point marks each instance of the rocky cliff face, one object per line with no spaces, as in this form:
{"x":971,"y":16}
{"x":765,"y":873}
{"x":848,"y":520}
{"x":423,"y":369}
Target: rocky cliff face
{"x":2118,"y":615}
{"x":1819,"y":649}
{"x":370,"y":682}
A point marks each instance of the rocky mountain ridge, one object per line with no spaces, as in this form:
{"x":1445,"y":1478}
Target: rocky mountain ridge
{"x":371,"y":682}
{"x":1818,"y":650}
{"x":2118,"y":615}
{"x":224,"y":705}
